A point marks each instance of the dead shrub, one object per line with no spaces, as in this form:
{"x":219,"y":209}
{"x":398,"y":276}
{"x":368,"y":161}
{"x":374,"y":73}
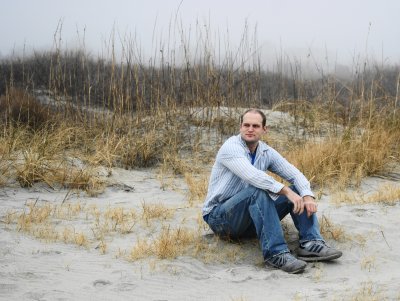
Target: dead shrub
{"x":20,"y":108}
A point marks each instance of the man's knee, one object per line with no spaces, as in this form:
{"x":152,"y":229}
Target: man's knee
{"x":249,"y":192}
{"x":260,"y":193}
{"x":252,"y":190}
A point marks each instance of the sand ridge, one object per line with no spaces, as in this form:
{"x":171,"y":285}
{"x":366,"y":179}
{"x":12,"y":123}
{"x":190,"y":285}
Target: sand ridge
{"x":39,"y":269}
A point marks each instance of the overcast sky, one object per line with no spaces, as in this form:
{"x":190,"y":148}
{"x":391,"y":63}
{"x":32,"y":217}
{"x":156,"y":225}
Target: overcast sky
{"x":304,"y":29}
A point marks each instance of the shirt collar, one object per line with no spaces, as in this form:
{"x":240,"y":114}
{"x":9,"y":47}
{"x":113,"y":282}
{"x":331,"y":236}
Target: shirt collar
{"x":262,"y":146}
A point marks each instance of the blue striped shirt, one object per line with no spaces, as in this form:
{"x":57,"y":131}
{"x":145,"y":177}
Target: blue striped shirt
{"x":233,"y":171}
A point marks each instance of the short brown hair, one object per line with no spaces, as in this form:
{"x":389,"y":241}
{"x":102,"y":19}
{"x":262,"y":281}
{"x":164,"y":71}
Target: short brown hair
{"x":264,"y":118}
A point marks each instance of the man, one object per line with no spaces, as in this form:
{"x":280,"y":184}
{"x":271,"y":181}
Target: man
{"x":243,"y":200}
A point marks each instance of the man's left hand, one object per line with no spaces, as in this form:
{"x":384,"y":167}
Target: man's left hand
{"x":310,"y":205}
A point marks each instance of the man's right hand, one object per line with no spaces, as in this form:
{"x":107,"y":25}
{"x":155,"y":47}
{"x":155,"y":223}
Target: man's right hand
{"x":298,"y":203}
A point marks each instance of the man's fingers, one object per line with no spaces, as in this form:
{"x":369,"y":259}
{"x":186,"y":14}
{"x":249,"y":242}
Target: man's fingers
{"x":301,"y":208}
{"x":298,"y":203}
{"x":298,"y":207}
{"x":308,"y":202}
{"x":311,"y":208}
{"x":310,"y":211}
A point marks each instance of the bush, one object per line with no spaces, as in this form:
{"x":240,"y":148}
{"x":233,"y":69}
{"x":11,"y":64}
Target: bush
{"x":20,"y":108}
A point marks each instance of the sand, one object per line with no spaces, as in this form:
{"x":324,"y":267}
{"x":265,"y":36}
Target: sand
{"x":35,"y":266}
{"x":41,"y":269}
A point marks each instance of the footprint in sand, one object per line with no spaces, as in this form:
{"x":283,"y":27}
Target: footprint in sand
{"x":101,"y":282}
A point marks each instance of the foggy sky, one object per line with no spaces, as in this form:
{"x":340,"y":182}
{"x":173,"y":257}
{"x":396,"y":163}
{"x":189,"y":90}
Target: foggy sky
{"x":330,"y":32}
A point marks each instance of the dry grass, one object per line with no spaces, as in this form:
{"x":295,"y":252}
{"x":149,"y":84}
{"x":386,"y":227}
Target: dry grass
{"x":91,"y":227}
{"x":318,"y":272}
{"x":131,"y":113}
{"x":329,"y":230}
{"x":121,"y":220}
{"x":45,"y":156}
{"x":197,"y":185}
{"x":368,"y":292}
{"x":18,"y":107}
{"x":55,"y":223}
{"x":337,"y":162}
{"x":388,"y":194}
{"x":368,"y":263}
{"x":41,"y":221}
{"x":141,"y":249}
{"x":135,"y":114}
{"x":155,"y":211}
{"x":171,"y":243}
{"x":49,"y":153}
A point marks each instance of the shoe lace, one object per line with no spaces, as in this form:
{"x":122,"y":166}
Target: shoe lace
{"x":315,"y":246}
{"x":310,"y":243}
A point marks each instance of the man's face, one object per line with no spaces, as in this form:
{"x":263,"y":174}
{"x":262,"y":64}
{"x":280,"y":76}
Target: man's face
{"x":251,"y":128}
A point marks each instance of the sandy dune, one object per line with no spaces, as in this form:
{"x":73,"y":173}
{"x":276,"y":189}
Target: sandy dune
{"x":39,"y":269}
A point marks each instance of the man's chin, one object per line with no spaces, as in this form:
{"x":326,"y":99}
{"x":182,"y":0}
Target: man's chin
{"x":250,"y":141}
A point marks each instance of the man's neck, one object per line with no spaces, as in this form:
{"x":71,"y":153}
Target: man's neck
{"x":252,"y":147}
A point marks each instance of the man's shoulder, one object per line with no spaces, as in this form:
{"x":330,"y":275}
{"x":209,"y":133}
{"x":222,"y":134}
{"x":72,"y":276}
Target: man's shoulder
{"x":264,"y":145}
{"x":267,"y":149}
{"x":232,"y":144}
{"x":233,"y":141}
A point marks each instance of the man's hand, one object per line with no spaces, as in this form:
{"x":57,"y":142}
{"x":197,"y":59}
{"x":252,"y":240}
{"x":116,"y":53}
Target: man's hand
{"x":310,"y":205}
{"x":298,"y":203}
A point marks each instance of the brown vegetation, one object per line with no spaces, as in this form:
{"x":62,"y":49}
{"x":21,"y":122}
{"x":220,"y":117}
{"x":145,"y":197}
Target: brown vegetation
{"x":68,"y":119}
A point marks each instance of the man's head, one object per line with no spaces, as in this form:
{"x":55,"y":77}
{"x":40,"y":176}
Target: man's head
{"x":252,"y":127}
{"x":264,"y":118}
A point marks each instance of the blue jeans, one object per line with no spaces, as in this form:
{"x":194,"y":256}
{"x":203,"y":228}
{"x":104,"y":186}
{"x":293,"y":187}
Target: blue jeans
{"x":252,"y":213}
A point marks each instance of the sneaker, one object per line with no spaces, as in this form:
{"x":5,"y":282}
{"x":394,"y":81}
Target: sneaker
{"x":286,"y":262}
{"x":317,"y":250}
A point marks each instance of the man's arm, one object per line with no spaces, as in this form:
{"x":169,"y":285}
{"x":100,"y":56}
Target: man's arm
{"x":238,"y":164}
{"x":233,"y":158}
{"x":300,"y":203}
{"x":310,"y":205}
{"x":280,"y":166}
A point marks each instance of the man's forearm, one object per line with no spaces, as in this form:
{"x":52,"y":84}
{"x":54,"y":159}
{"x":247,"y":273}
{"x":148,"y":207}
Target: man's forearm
{"x":298,"y":205}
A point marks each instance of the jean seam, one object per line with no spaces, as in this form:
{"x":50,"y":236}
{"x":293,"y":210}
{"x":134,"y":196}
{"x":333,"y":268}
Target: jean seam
{"x":262,"y":234}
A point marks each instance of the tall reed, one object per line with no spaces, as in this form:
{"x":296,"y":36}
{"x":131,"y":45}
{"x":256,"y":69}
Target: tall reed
{"x":133,"y":110}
